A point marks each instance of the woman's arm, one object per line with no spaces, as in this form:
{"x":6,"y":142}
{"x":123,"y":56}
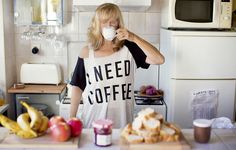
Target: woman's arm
{"x":75,"y":100}
{"x":153,"y":54}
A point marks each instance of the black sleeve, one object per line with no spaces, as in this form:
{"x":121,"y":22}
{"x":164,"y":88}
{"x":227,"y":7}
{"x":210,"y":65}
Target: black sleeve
{"x":78,"y":78}
{"x":137,"y":53}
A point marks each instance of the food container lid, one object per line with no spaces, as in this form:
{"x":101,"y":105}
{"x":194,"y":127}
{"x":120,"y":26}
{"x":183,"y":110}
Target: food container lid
{"x":102,"y":123}
{"x":202,"y":123}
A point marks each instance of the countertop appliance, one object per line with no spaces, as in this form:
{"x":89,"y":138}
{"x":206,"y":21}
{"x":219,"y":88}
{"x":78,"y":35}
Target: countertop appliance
{"x":196,"y":60}
{"x":40,"y":73}
{"x":64,"y":108}
{"x":216,"y":14}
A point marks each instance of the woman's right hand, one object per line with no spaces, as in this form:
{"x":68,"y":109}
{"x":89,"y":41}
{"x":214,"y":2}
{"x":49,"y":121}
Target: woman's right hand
{"x":124,"y":34}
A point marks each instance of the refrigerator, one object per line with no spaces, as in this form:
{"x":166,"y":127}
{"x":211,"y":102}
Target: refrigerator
{"x":195,"y":61}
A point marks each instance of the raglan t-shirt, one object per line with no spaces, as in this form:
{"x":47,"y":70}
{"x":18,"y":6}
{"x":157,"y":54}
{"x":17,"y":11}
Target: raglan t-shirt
{"x":108,"y":84}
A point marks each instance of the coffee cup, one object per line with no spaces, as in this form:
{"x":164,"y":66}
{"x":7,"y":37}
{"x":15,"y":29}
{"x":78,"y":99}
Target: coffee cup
{"x":202,"y":130}
{"x":109,"y":33}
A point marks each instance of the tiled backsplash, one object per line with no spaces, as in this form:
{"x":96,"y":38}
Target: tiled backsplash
{"x":146,"y":24}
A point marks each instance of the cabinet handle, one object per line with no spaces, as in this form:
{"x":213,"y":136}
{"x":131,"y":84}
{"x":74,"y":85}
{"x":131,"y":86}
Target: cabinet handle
{"x":23,"y":98}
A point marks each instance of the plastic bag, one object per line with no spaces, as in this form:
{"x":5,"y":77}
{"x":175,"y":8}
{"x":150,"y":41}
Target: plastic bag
{"x":204,"y":104}
{"x":222,"y":123}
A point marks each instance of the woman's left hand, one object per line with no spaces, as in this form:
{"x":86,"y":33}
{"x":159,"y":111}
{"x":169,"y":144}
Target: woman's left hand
{"x":124,"y":34}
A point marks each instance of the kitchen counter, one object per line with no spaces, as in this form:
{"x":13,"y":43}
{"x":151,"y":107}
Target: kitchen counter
{"x":33,"y":93}
{"x":221,"y":139}
{"x":38,"y":88}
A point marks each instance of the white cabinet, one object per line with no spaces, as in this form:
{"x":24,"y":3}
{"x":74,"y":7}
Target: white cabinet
{"x":38,"y":12}
{"x":125,"y":5}
{"x":181,"y":91}
{"x":199,"y":55}
{"x":195,"y":61}
{"x":22,"y":9}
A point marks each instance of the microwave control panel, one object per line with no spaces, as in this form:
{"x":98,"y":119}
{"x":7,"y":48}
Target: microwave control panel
{"x":226,"y":13}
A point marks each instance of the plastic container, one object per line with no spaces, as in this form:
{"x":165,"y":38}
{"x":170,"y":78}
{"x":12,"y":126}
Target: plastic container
{"x":102,"y":132}
{"x":2,"y":101}
{"x":202,"y":130}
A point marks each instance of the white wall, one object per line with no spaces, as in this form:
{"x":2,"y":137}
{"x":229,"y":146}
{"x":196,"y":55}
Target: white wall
{"x":146,"y":24}
{"x":7,"y":51}
{"x":2,"y":49}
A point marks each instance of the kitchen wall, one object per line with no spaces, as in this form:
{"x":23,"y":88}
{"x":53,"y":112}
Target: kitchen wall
{"x":7,"y":49}
{"x":146,"y":24}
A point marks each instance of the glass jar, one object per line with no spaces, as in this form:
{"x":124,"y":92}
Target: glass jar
{"x":202,"y":130}
{"x":2,"y":101}
{"x":102,"y":132}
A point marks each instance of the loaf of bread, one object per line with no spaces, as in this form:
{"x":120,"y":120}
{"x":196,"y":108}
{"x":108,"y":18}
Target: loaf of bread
{"x":150,"y":127}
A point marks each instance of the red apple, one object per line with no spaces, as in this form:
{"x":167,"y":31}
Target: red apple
{"x":76,"y":126}
{"x":55,"y":119}
{"x":60,"y":131}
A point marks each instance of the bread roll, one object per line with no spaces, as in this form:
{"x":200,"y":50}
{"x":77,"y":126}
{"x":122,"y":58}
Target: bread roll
{"x":167,"y":134}
{"x":147,"y":133}
{"x":151,"y":140}
{"x":150,"y":127}
{"x":134,"y":139}
{"x":137,"y":124}
{"x":146,"y":113}
{"x":127,"y":130}
{"x":152,"y":124}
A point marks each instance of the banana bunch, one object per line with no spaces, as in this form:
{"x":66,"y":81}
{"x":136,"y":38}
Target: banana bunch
{"x":28,"y":125}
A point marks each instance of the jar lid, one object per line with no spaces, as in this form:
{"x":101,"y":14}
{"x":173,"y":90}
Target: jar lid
{"x":202,"y":123}
{"x":102,"y":123}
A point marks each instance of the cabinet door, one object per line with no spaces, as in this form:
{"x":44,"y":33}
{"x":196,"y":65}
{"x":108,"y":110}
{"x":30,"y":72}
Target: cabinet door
{"x":180,"y":99}
{"x":22,"y":12}
{"x":39,"y":12}
{"x":204,"y":57}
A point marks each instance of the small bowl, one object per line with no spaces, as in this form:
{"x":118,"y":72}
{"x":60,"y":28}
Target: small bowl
{"x":19,"y":86}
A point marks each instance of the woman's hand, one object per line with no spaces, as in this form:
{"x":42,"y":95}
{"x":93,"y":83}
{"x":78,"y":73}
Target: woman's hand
{"x":124,"y":34}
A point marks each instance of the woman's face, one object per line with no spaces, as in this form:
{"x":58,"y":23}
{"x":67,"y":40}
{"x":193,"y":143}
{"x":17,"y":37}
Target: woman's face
{"x":110,"y":22}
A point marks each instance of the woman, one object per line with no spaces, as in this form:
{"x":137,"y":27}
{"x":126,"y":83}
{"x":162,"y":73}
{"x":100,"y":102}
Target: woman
{"x":104,"y":73}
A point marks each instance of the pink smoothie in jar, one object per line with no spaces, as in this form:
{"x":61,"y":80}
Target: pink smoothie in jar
{"x":102,"y":132}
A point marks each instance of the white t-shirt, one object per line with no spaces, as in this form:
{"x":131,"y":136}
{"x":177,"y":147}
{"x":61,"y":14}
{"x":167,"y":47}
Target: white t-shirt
{"x":108,"y":91}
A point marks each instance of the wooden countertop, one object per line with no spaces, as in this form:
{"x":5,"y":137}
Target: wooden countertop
{"x":37,"y":88}
{"x":221,"y":139}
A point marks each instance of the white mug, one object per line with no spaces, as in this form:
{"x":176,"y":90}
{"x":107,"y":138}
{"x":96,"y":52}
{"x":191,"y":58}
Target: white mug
{"x":109,"y":33}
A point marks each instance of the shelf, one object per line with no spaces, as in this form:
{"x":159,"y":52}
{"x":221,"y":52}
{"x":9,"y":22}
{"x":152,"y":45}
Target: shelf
{"x":51,"y":89}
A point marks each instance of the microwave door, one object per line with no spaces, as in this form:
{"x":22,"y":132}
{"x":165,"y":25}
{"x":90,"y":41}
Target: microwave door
{"x":196,"y":13}
{"x":194,"y":10}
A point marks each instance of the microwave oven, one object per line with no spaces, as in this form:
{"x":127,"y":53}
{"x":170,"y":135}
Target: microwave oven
{"x":196,"y":14}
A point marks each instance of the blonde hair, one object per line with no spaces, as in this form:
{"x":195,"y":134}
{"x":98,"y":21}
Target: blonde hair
{"x":103,"y":13}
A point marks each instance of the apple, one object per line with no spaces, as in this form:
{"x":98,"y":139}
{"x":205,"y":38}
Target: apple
{"x":55,"y":119}
{"x":76,"y":126}
{"x":60,"y":131}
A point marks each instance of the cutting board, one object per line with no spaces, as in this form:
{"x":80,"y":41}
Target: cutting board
{"x":180,"y":145}
{"x":12,"y":141}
